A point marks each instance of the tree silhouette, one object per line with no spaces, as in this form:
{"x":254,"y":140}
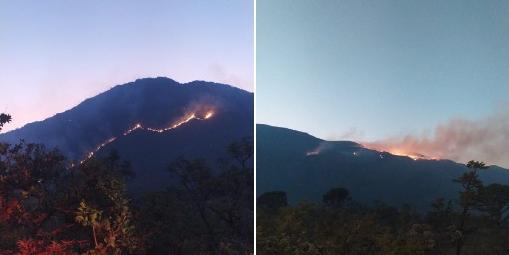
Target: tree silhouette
{"x":4,"y":118}
{"x":473,"y":224}
{"x":471,"y":186}
{"x":494,"y":200}
{"x":335,"y":198}
{"x":222,"y":203}
{"x":272,"y":201}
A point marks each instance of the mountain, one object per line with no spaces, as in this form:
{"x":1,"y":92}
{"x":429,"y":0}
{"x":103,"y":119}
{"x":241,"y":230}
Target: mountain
{"x":307,"y":167}
{"x":150,"y":122}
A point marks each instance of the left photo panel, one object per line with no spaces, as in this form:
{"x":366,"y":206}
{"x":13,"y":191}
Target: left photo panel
{"x":126,"y":127}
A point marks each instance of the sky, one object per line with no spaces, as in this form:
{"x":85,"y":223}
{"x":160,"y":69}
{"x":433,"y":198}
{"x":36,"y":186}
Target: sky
{"x":56,"y":53}
{"x":378,"y":70}
{"x":379,"y":67}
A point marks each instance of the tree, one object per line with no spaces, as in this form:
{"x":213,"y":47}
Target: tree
{"x":494,"y":201}
{"x":4,"y":118}
{"x":272,"y":201}
{"x":168,"y":224}
{"x":195,"y":178}
{"x":242,"y":151}
{"x":30,"y":181}
{"x":471,"y":186}
{"x":223,"y":202}
{"x":335,"y":198}
{"x":441,"y":219}
{"x":40,"y":194}
{"x":104,"y":206}
{"x":233,"y":201}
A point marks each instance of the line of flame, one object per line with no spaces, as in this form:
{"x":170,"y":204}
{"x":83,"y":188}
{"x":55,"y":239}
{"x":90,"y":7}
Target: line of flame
{"x":138,"y":125}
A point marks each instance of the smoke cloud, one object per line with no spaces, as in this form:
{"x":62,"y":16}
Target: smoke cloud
{"x":460,"y":140}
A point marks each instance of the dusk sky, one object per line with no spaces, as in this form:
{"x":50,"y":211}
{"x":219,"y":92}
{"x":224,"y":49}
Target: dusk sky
{"x":55,"y":54}
{"x":429,"y":76}
{"x":380,"y":68}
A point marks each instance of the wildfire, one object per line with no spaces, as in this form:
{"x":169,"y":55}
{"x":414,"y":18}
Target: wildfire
{"x":405,"y":154}
{"x":394,"y":150}
{"x":183,"y":120}
{"x":186,"y":118}
{"x":136,"y":126}
{"x":398,"y":152}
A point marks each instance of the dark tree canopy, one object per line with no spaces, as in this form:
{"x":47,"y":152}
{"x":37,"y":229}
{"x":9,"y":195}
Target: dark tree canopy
{"x":474,"y":224}
{"x":336,"y":197}
{"x":475,"y":165}
{"x":50,"y":205}
{"x":4,"y":118}
{"x":272,"y":201}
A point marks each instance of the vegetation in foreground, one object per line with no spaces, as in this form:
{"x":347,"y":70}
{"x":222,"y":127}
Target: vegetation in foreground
{"x":50,"y":206}
{"x":475,"y":224}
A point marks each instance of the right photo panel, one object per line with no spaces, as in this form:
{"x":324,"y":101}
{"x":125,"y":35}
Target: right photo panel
{"x":382,"y":127}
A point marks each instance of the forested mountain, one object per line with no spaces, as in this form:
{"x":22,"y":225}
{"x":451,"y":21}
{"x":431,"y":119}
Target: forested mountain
{"x":149,"y":122}
{"x":148,"y":167}
{"x":306,"y":167}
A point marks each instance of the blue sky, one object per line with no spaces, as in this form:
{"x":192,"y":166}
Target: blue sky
{"x":54,"y":54}
{"x":377,"y":69}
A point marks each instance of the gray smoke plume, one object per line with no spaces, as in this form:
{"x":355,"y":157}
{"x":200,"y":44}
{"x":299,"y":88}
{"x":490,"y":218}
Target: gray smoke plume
{"x":460,"y":140}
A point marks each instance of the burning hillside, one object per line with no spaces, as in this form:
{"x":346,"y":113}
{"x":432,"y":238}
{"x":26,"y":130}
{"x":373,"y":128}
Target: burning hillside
{"x":394,"y":150}
{"x":189,"y":116}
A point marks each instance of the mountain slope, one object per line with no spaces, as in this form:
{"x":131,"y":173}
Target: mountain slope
{"x":155,"y":104}
{"x":306,"y":167}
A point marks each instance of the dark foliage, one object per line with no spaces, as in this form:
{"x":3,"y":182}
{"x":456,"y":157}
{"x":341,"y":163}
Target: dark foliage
{"x":475,"y":224}
{"x":4,"y":118}
{"x":272,"y":201}
{"x":336,"y":197}
{"x":212,"y":214}
{"x":50,"y":205}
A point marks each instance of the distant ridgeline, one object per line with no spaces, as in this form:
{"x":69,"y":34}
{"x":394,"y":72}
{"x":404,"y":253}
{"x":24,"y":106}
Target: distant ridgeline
{"x":307,"y":167}
{"x":149,"y":122}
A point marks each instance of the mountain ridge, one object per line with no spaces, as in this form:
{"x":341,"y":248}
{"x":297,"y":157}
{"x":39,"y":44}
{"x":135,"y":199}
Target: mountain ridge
{"x":354,"y":143}
{"x":87,"y":107}
{"x":286,"y":164}
{"x":126,"y":84}
{"x":215,"y":115}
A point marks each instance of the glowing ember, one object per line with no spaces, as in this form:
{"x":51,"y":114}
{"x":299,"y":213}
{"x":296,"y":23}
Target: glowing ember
{"x":188,"y":117}
{"x":209,"y":114}
{"x":137,"y":126}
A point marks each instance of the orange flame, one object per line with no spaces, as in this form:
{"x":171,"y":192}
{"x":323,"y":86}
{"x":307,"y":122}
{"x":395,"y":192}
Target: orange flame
{"x":188,"y":117}
{"x":397,"y":151}
{"x":208,"y":115}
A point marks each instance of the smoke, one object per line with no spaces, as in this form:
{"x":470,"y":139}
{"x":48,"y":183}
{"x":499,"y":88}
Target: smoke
{"x":220,"y":74}
{"x":324,"y":145}
{"x":460,"y":140}
{"x":202,"y":105}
